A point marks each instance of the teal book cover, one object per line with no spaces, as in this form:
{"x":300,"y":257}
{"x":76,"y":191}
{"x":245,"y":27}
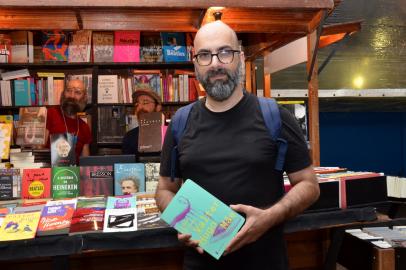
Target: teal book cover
{"x":123,"y":201}
{"x":129,"y":178}
{"x":195,"y":211}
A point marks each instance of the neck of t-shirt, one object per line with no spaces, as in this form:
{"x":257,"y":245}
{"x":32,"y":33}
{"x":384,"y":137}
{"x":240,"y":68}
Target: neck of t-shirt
{"x":225,"y":105}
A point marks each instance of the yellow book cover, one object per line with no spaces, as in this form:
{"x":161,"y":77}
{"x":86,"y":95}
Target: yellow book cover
{"x":5,"y":140}
{"x":19,"y":226}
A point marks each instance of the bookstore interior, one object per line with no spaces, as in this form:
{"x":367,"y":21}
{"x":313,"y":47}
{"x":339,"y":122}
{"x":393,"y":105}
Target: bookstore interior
{"x":76,"y":192}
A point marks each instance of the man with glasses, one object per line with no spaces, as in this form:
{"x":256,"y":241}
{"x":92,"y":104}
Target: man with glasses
{"x":64,"y":119}
{"x":226,"y":149}
{"x":145,"y":101}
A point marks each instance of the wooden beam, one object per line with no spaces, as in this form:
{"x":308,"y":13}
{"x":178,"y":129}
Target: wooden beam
{"x":267,"y":85}
{"x":313,"y":94}
{"x":339,"y":28}
{"x":288,"y":4}
{"x":248,"y":76}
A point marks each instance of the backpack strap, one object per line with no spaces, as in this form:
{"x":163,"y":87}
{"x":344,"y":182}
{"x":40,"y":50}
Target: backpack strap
{"x":272,"y":118}
{"x":178,"y":124}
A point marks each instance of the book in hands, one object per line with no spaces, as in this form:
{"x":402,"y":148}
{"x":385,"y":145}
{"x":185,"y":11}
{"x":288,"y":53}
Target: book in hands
{"x":209,"y":221}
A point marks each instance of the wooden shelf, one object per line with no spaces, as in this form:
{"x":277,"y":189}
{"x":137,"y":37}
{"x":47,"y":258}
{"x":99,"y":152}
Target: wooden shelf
{"x":134,"y":65}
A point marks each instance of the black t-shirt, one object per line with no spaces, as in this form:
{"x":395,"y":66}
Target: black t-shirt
{"x":231,"y":155}
{"x":130,"y":142}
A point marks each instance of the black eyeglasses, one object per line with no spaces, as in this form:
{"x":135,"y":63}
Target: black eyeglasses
{"x":224,"y":56}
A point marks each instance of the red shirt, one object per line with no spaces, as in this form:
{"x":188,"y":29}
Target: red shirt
{"x":55,"y":125}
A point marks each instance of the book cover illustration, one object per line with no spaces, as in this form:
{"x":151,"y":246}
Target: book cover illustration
{"x":120,"y":220}
{"x":126,"y":46}
{"x":19,"y":226}
{"x":174,"y":47}
{"x":195,"y":211}
{"x":149,"y":216}
{"x":151,"y":48}
{"x":4,"y":211}
{"x":150,"y":133}
{"x":54,"y":46}
{"x":65,"y":182}
{"x":151,"y":176}
{"x":80,"y":46}
{"x":62,"y":149}
{"x":129,"y":178}
{"x":103,"y":46}
{"x":96,"y":180}
{"x":36,"y":183}
{"x":31,"y":130}
{"x":148,"y":81}
{"x":56,"y":217}
{"x":5,"y":140}
{"x":123,"y":201}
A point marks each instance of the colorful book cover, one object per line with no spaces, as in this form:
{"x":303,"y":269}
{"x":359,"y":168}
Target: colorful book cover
{"x":19,"y":226}
{"x":120,"y":220}
{"x":103,"y":46}
{"x":96,"y":180}
{"x":129,"y":178}
{"x":123,"y":201}
{"x":31,"y":129}
{"x":36,"y":183}
{"x":151,"y":48}
{"x":80,"y":46}
{"x":62,"y":149}
{"x":195,"y":211}
{"x":148,"y":214}
{"x":151,"y":176}
{"x":65,"y":182}
{"x":174,"y":47}
{"x":56,"y":217}
{"x":148,"y":81}
{"x":54,"y":46}
{"x":5,"y":140}
{"x":126,"y":46}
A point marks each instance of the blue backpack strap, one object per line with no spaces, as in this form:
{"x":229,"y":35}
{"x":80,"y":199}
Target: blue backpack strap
{"x":178,"y":124}
{"x":272,"y":118}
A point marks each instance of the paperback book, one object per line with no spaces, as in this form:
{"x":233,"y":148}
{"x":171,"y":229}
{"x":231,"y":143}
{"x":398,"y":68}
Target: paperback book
{"x":96,"y":180}
{"x":120,"y":220}
{"x":19,"y":226}
{"x":36,"y":183}
{"x":129,"y":178}
{"x":62,"y":149}
{"x":196,"y":212}
{"x":56,"y":217}
{"x":65,"y":182}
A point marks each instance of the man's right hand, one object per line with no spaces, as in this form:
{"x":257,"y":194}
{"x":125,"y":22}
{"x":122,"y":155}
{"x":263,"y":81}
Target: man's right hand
{"x":186,"y":239}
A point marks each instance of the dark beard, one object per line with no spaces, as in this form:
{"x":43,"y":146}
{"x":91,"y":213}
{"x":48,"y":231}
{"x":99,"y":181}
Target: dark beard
{"x":70,"y":106}
{"x":220,"y":90}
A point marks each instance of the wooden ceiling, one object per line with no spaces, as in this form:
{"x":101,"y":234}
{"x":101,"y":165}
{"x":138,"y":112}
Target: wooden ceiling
{"x":263,"y":25}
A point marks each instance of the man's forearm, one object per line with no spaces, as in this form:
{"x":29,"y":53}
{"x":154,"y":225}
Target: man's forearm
{"x":300,"y":197}
{"x":163,"y":198}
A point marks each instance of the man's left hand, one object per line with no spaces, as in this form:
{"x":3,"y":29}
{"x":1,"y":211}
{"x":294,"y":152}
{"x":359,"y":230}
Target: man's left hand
{"x":257,"y":222}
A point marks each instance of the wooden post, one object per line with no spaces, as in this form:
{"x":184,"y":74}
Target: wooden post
{"x":267,"y":85}
{"x":248,"y":76}
{"x":313,"y":88}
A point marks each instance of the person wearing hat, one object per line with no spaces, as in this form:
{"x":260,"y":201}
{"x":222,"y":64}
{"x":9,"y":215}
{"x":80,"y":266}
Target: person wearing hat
{"x":145,"y":101}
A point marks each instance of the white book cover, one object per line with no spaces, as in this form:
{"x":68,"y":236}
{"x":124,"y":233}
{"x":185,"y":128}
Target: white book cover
{"x":15,"y":74}
{"x":107,"y":89}
{"x":120,"y":220}
{"x":22,"y":48}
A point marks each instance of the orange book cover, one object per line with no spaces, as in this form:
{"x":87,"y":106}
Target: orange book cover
{"x":36,"y":183}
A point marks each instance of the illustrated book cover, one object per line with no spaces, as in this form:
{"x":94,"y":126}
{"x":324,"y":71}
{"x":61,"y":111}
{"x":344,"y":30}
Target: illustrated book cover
{"x":195,"y":211}
{"x":129,"y":178}
{"x":36,"y":183}
{"x":56,"y":217}
{"x":19,"y":226}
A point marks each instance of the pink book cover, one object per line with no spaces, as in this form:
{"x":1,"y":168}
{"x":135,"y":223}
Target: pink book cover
{"x":126,"y":46}
{"x":163,"y":132}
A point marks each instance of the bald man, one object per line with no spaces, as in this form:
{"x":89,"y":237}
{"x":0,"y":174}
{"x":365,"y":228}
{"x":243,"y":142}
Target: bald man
{"x":227,"y":150}
{"x":64,"y":119}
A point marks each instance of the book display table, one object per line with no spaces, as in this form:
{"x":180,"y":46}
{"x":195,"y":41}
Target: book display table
{"x":153,"y":248}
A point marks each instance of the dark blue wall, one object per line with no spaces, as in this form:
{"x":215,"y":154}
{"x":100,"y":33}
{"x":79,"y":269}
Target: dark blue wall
{"x":374,"y":141}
